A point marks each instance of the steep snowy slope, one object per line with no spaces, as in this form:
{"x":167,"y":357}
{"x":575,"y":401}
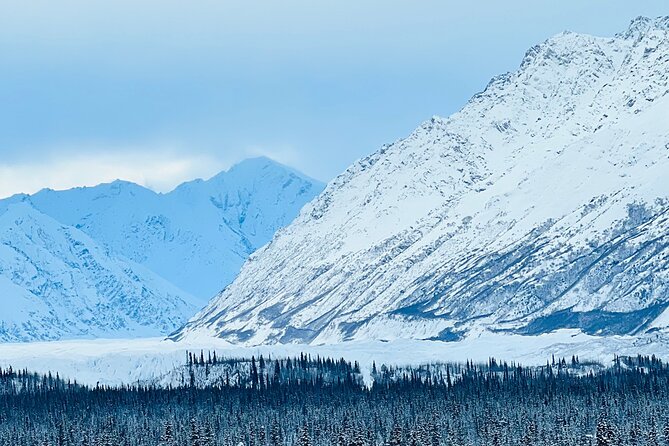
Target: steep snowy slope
{"x":56,"y":282}
{"x":542,"y":204}
{"x":196,"y":237}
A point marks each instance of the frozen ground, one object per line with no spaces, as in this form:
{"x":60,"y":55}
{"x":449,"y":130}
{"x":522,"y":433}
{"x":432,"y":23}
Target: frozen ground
{"x":127,"y":361}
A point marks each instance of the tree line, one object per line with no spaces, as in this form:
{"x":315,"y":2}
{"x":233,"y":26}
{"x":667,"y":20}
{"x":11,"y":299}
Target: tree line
{"x":318,"y":401}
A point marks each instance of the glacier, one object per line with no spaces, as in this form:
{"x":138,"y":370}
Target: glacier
{"x":542,"y":205}
{"x":117,"y":362}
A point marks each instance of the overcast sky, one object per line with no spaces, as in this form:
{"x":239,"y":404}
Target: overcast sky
{"x":160,"y":91}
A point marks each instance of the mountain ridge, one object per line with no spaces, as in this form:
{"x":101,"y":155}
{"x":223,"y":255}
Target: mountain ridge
{"x":120,"y":260}
{"x":543,"y":196}
{"x":158,"y":229}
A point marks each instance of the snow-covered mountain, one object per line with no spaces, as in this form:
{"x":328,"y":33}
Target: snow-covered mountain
{"x":542,"y":204}
{"x":57,"y":282}
{"x":197,"y":236}
{"x":121,"y":260}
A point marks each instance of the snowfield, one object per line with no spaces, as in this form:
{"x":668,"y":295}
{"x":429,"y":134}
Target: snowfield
{"x":127,"y":361}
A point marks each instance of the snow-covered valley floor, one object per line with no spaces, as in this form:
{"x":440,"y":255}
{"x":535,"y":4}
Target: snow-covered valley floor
{"x":124,"y":361}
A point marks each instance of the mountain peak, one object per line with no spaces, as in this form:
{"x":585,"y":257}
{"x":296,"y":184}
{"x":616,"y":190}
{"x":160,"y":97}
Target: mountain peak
{"x":245,"y":172}
{"x":641,"y":26}
{"x":251,"y":169}
{"x":254,"y":165}
{"x":198,"y":235}
{"x":130,"y":260}
{"x":261,"y":160}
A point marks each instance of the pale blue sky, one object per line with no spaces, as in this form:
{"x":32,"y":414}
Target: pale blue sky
{"x":158,"y":91}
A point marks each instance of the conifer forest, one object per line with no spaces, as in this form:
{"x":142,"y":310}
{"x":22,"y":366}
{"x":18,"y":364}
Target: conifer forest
{"x":320,"y":401}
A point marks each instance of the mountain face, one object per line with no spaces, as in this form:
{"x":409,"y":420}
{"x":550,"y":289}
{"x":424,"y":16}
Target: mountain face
{"x":56,"y":282}
{"x":542,"y":204}
{"x":121,"y":260}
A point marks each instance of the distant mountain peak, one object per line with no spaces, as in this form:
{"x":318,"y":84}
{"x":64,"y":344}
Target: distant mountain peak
{"x":260,"y":160}
{"x":250,"y":169}
{"x":70,"y":256}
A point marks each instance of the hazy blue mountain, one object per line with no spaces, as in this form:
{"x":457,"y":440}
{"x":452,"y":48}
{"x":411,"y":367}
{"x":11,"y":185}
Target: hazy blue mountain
{"x":84,"y":254}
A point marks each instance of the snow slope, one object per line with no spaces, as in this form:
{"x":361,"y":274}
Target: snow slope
{"x":56,"y":282}
{"x":542,"y":205}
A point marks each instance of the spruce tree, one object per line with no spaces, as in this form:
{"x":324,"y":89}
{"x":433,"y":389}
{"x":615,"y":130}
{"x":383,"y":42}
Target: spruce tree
{"x":167,"y":438}
{"x":304,"y":438}
{"x":194,"y":439}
